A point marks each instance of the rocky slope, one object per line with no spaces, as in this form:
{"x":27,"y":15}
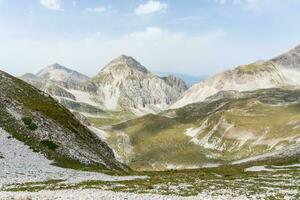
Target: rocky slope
{"x":36,"y":119}
{"x":226,"y":127}
{"x":282,"y":71}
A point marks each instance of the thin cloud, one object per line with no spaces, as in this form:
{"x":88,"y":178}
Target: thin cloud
{"x":254,"y":6}
{"x":74,"y":3}
{"x":96,"y":9}
{"x":151,"y":6}
{"x":51,"y":4}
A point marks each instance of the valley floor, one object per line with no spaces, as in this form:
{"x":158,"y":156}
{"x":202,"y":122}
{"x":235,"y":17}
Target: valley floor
{"x":92,"y":194}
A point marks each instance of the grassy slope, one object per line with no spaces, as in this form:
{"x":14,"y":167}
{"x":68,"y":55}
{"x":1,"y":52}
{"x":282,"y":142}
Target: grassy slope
{"x":159,"y":140}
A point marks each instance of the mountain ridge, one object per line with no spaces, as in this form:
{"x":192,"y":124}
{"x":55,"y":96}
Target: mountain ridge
{"x":281,"y":71}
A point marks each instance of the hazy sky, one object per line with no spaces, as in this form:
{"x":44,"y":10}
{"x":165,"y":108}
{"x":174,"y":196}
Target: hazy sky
{"x":197,"y":37}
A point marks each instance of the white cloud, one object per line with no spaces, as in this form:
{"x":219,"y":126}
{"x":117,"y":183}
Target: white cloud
{"x":96,"y":9}
{"x":151,"y":6}
{"x":51,"y":4}
{"x":158,"y":49}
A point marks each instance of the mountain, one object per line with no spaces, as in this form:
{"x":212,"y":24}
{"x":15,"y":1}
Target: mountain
{"x":188,"y":79}
{"x":30,"y":78}
{"x":62,"y":76}
{"x":33,"y":117}
{"x":282,"y":71}
{"x":225,"y":128}
{"x":124,"y":84}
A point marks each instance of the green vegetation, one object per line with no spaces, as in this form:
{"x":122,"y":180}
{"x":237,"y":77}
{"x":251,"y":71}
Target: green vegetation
{"x":27,"y":120}
{"x":51,"y":145}
{"x":110,"y":118}
{"x":29,"y":123}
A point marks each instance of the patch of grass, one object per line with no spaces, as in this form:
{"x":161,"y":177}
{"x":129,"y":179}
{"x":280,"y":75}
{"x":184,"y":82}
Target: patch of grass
{"x":256,"y":68}
{"x":111,"y":118}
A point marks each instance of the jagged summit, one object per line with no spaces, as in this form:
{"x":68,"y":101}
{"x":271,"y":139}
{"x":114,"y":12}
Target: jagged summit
{"x":124,"y":62}
{"x":175,"y":82}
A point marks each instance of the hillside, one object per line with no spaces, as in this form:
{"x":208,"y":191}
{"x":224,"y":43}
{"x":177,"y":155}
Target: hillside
{"x":33,"y":117}
{"x":227,"y":127}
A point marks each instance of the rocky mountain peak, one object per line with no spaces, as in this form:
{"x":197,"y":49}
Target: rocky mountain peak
{"x":29,"y":76}
{"x":174,"y":81}
{"x":122,"y":63}
{"x":59,"y":73}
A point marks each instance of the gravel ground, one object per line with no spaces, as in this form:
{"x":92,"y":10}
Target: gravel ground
{"x":102,"y":195}
{"x":20,"y":165}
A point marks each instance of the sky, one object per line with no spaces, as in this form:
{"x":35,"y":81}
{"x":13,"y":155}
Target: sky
{"x":196,"y":37}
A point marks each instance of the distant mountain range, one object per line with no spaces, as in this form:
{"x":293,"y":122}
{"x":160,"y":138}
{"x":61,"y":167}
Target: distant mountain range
{"x":124,"y":85}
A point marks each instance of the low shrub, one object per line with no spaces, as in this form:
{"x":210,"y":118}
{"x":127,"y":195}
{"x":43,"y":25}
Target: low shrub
{"x":29,"y":123}
{"x":27,"y":120}
{"x":51,"y":145}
